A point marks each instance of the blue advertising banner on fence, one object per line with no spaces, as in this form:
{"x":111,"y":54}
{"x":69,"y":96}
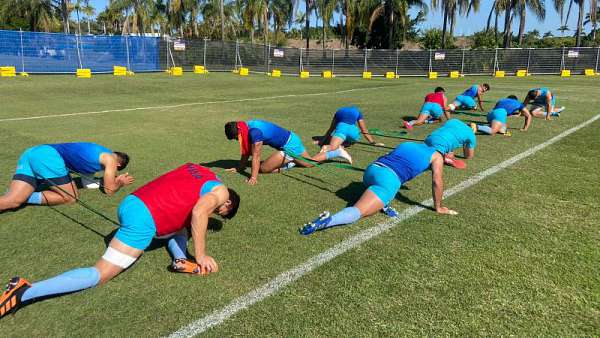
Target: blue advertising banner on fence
{"x":35,"y":52}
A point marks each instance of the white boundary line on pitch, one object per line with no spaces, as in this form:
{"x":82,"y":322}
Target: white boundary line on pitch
{"x":282,"y":280}
{"x":192,"y":104}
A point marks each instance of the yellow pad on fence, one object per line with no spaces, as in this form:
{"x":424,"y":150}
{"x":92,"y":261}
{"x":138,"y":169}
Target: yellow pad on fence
{"x":499,"y":73}
{"x":565,"y":73}
{"x":590,"y":72}
{"x":176,"y":71}
{"x":276,"y":73}
{"x":244,"y":71}
{"x":8,"y":71}
{"x":304,"y":75}
{"x":119,"y":71}
{"x":327,"y":74}
{"x":390,"y":75}
{"x":454,"y":75}
{"x":367,"y":75}
{"x":521,"y":73}
{"x":84,"y":73}
{"x":200,"y":70}
{"x":433,"y":75}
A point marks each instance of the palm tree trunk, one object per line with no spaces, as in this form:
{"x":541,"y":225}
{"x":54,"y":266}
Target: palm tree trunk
{"x":307,"y":23}
{"x":580,"y":22}
{"x":496,"y":27}
{"x":78,"y":23}
{"x":222,"y":20}
{"x":507,"y":29}
{"x":391,"y":24}
{"x":489,"y":20}
{"x":65,"y":15}
{"x":444,"y":27}
{"x":452,"y":22}
{"x":522,"y":24}
{"x":346,"y":30}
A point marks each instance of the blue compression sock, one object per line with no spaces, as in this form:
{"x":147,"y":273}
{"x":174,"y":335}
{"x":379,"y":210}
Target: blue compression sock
{"x":485,"y":129}
{"x":35,"y":198}
{"x":69,"y":281}
{"x":346,"y":216}
{"x":177,"y":246}
{"x":333,"y":153}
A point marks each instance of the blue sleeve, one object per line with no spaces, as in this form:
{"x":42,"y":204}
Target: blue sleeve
{"x":360,"y":116}
{"x":208,"y":187}
{"x":472,"y":141}
{"x":256,"y":135}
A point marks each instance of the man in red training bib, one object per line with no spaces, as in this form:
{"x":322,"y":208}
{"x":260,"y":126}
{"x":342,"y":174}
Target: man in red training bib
{"x":166,"y":207}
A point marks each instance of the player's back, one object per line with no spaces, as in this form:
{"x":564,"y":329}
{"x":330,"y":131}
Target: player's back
{"x":81,"y":157}
{"x":348,"y":115}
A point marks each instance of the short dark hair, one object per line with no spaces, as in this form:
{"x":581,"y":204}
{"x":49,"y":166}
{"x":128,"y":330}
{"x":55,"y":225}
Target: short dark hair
{"x":439,"y":89}
{"x":514,"y":97}
{"x":231,"y":130}
{"x":531,"y":94}
{"x":235,"y":203}
{"x":123,"y":159}
{"x":486,"y":86}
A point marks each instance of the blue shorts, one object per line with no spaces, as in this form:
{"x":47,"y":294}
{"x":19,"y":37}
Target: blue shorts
{"x":294,"y":145}
{"x":382,"y":181}
{"x":498,"y":115}
{"x":137,"y":225}
{"x":466,"y":101}
{"x":42,"y":165}
{"x":347,"y":132}
{"x":438,"y":143}
{"x":432,"y":109}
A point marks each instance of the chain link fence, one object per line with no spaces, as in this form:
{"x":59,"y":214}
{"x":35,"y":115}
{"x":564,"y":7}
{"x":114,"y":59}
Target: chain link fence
{"x":36,"y":52}
{"x":228,"y":56}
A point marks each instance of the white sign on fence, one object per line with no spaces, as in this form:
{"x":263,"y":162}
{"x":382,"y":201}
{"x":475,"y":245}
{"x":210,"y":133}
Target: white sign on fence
{"x":439,"y":56}
{"x":179,"y":45}
{"x":278,"y":53}
{"x":573,"y":54}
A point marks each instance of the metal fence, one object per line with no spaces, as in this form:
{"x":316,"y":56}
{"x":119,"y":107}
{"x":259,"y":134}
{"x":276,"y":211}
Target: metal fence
{"x":35,"y":52}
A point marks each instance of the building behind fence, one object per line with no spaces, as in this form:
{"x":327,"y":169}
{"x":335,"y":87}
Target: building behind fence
{"x":35,"y":52}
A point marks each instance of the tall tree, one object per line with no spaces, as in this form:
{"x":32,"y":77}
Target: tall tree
{"x":326,"y":9}
{"x":537,"y":7}
{"x":508,"y":9}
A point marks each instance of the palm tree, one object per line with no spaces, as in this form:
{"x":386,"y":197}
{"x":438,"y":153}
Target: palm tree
{"x":395,"y":14}
{"x":281,"y":11}
{"x":592,"y":17}
{"x":450,"y":9}
{"x":509,"y":6}
{"x":326,"y":9}
{"x":309,"y":7}
{"x":537,"y":7}
{"x":579,"y":31}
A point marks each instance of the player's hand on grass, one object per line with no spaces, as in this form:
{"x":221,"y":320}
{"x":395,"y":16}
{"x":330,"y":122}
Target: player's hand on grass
{"x":446,"y":211}
{"x":378,"y":144}
{"x":208,"y":265}
{"x":252,"y":181}
{"x":231,"y":170}
{"x":125,"y":179}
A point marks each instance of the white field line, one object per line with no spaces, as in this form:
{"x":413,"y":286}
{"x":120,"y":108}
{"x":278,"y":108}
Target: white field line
{"x":288,"y":277}
{"x":264,"y":98}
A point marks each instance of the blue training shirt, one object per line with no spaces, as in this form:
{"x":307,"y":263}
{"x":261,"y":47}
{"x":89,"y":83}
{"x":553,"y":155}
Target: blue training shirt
{"x":472,"y":91}
{"x":81,"y":157}
{"x":267,"y":132}
{"x":510,"y":105}
{"x":454,"y":134}
{"x":348,"y":115}
{"x":408,"y":160}
{"x":543,"y":92}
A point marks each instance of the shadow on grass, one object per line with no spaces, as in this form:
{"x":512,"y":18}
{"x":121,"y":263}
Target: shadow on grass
{"x":225,"y":164}
{"x":72,"y":219}
{"x":352,"y":193}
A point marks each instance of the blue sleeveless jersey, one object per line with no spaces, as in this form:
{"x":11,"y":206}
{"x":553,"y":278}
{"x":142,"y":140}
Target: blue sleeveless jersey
{"x":348,"y":115}
{"x":81,"y":157}
{"x":268,"y":133}
{"x":408,"y":160}
{"x":472,"y":91}
{"x":510,"y":105}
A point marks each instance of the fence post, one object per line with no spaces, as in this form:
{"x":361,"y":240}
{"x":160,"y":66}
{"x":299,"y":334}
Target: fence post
{"x":333,"y":61}
{"x":23,"y":54}
{"x":562,"y":59}
{"x":204,"y":55}
{"x":397,"y":57}
{"x":237,"y":47}
{"x":78,"y":53}
{"x":528,"y":59}
{"x":597,"y":57}
{"x":268,"y":59}
{"x":430,"y":65}
{"x":495,"y":61}
{"x":300,"y":67}
{"x":365,"y":68}
{"x":462,"y":62}
{"x":167,"y":51}
{"x":127,"y":49}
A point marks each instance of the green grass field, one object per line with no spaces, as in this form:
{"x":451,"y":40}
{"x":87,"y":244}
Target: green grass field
{"x":521,"y":259}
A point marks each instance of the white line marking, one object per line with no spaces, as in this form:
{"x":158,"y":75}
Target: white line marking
{"x":191,"y":104}
{"x":288,"y":277}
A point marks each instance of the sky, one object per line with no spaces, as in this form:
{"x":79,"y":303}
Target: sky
{"x":464,"y":26}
